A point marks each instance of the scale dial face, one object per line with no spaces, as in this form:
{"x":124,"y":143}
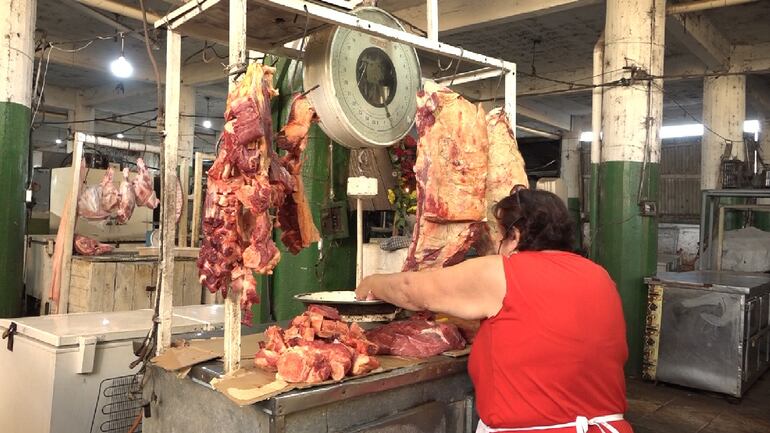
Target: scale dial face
{"x":368,"y":84}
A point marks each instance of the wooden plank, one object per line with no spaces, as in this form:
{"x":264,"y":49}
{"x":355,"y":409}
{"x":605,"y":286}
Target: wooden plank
{"x":169,"y":181}
{"x":193,"y":288}
{"x":184,"y":180}
{"x":180,"y":283}
{"x":189,"y":252}
{"x":232,"y":335}
{"x":102,"y":287}
{"x":198,"y":196}
{"x":125,"y":280}
{"x":145,"y":274}
{"x":70,"y":217}
{"x":80,"y":286}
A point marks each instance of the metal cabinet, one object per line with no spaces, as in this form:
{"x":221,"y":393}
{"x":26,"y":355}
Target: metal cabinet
{"x":708,"y":330}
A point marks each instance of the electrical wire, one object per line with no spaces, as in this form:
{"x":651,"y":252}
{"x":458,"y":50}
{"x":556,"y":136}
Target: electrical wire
{"x":690,"y":115}
{"x":98,"y":119}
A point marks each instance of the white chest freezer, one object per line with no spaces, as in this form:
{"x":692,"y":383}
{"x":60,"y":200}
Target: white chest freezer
{"x":70,"y":373}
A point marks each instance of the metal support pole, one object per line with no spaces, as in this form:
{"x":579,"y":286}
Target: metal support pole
{"x":168,"y":186}
{"x":510,"y":97}
{"x":232,"y":336}
{"x":359,"y":241}
{"x":432,"y":10}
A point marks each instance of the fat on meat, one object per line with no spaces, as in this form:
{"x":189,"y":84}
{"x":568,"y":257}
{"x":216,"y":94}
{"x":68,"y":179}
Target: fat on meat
{"x":418,"y":338}
{"x":506,"y":169}
{"x":451,"y":159}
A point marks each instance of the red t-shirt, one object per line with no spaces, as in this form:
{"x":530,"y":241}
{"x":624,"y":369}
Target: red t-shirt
{"x":556,"y":349}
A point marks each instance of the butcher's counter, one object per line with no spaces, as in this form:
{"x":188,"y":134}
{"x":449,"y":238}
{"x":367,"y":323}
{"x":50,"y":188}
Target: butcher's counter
{"x":435,"y":396}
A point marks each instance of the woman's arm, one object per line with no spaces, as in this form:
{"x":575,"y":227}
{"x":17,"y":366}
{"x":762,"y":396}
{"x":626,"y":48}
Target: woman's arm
{"x":473,"y":289}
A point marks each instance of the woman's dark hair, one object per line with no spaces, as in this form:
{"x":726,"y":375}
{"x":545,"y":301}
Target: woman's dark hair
{"x":540,"y":216}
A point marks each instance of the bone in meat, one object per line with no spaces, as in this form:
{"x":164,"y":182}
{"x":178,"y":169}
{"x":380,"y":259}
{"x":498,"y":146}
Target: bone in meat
{"x":96,"y":202}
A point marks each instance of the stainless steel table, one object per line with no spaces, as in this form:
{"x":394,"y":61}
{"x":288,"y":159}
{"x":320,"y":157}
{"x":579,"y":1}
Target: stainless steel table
{"x":432,"y":397}
{"x":708,"y":329}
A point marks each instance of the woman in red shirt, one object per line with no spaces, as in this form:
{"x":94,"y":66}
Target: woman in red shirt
{"x":550,"y":351}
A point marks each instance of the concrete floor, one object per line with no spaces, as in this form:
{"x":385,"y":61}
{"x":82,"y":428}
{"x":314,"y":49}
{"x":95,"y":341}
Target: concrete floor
{"x":671,"y":409}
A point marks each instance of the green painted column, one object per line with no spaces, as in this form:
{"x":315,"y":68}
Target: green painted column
{"x":332,"y":266}
{"x":17,"y":25}
{"x":628,"y":172}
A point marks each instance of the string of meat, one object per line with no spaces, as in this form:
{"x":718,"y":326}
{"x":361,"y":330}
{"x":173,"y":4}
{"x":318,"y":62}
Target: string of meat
{"x":247,"y":180}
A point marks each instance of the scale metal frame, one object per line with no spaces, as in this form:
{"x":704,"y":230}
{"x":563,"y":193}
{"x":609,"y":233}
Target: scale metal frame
{"x":235,"y":36}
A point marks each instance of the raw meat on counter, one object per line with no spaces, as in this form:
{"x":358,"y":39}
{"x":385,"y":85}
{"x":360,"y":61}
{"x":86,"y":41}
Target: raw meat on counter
{"x":90,"y":247}
{"x":417,"y":337}
{"x":316,"y":347}
{"x":451,"y":159}
{"x":506,"y":169}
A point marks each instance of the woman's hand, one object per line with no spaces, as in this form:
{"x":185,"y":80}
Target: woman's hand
{"x":364,"y":291}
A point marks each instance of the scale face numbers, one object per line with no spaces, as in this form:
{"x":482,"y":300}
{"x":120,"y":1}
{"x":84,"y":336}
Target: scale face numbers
{"x":367,"y":84}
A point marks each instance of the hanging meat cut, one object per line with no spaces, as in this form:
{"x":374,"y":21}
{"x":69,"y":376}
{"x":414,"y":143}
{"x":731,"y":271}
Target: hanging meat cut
{"x":416,"y":337}
{"x":127,"y":201}
{"x":143,"y":187}
{"x":315,"y":348}
{"x":294,"y":217}
{"x":245,"y":181}
{"x":97,"y":202}
{"x":451,"y":159}
{"x":506,"y":169}
{"x":90,"y":247}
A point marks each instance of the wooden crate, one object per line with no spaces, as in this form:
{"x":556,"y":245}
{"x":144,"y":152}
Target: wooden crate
{"x":111,"y":284}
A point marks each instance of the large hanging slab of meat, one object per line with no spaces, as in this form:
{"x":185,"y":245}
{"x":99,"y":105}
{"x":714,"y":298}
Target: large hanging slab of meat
{"x":243,"y":184}
{"x":316,"y":347}
{"x":506,"y":169}
{"x":416,"y":337}
{"x":451,"y":161}
{"x":294,"y":217}
{"x":143,"y":187}
{"x":97,"y":202}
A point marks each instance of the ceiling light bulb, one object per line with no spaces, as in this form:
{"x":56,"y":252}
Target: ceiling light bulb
{"x":207,"y":124}
{"x":121,"y":68}
{"x":58,"y":141}
{"x":120,"y":135}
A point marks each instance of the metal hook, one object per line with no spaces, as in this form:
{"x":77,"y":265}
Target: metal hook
{"x":457,"y":66}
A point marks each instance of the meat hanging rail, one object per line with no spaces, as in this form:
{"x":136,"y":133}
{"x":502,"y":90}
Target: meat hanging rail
{"x":276,"y":23}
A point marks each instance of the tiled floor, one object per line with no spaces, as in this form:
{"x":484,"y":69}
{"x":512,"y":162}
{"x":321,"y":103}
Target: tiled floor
{"x":671,"y":409}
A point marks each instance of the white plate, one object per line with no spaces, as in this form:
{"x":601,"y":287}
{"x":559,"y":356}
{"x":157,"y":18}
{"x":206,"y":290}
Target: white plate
{"x":338,"y":297}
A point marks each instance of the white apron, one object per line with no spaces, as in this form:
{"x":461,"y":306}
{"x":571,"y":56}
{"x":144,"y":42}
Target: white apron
{"x":581,"y":425}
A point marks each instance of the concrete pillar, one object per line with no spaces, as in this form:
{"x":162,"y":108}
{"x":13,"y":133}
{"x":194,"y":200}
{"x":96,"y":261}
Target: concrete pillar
{"x":82,"y":117}
{"x":17,"y":27}
{"x":630,"y":155}
{"x":724,"y":111}
{"x":764,"y":140}
{"x":571,"y":176}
